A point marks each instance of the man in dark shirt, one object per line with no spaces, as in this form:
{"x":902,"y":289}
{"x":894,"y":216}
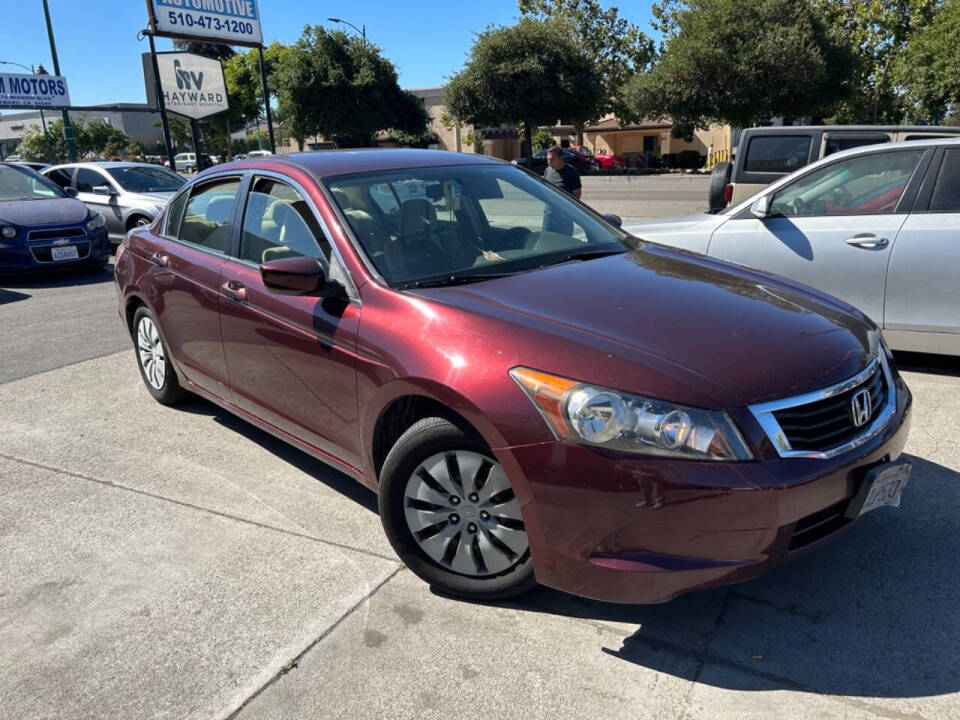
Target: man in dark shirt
{"x":560,"y":174}
{"x":566,"y":178}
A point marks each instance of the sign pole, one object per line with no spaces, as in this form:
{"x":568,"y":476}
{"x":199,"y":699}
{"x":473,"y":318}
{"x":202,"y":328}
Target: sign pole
{"x":67,"y":129}
{"x":195,"y":134}
{"x":162,"y":103}
{"x":266,"y":99}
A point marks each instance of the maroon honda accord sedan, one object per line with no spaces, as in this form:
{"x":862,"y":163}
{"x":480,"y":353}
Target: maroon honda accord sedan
{"x":534,"y":395}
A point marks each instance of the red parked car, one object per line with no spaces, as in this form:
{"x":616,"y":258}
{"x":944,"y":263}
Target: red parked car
{"x":609,"y":161}
{"x":535,"y":395}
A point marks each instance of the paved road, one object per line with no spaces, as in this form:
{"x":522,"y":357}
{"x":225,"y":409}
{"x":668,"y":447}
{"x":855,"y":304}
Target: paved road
{"x":646,"y":196}
{"x":177,"y":562}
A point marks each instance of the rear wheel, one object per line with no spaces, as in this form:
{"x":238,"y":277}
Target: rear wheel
{"x":153,"y":359}
{"x":719,"y":179}
{"x":451,"y":514}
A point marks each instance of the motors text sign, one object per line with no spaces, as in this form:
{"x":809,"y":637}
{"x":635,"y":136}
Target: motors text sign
{"x":33,"y":91}
{"x":232,"y":22}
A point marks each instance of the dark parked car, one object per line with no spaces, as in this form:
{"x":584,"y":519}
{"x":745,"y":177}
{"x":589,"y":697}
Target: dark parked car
{"x":617,"y":419}
{"x":582,"y":162}
{"x":42,"y":226}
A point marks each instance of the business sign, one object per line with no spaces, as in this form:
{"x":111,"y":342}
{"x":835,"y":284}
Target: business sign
{"x":230,"y":22}
{"x":33,"y":91}
{"x":193,"y":85}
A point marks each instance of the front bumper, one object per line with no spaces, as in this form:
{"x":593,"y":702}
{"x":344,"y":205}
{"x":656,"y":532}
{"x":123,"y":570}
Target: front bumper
{"x":20,"y":255}
{"x":630,"y":530}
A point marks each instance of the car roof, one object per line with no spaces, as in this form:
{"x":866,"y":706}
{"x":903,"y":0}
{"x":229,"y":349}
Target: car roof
{"x":329,"y":163}
{"x":104,"y":164}
{"x":949,"y":129}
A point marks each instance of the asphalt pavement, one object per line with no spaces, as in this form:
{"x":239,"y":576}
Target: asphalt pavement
{"x":179,"y":563}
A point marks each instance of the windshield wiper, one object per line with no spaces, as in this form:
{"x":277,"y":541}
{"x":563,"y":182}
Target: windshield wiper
{"x":451,"y":280}
{"x":584,"y":255}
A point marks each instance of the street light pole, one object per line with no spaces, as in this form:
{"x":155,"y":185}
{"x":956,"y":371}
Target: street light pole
{"x":362,"y":30}
{"x":67,"y":130}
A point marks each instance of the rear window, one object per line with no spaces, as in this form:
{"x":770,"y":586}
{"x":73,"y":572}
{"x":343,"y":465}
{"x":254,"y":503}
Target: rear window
{"x":946,"y":193}
{"x":837,"y":144}
{"x":777,"y":153}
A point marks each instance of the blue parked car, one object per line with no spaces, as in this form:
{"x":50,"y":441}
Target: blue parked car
{"x":42,"y":226}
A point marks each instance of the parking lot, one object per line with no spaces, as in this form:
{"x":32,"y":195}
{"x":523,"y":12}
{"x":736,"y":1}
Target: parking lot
{"x":177,"y":562}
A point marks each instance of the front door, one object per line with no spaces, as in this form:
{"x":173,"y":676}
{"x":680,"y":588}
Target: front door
{"x":923,"y":291}
{"x":186,"y":277}
{"x":291,"y":358}
{"x":87,"y":178}
{"x":833,"y":228}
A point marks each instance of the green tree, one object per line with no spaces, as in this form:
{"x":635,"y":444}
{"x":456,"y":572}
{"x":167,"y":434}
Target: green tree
{"x":740,"y":62}
{"x":617,"y":48}
{"x":209,"y":50}
{"x":533,"y":73}
{"x":929,"y":68}
{"x":96,"y":138}
{"x":340,"y":86}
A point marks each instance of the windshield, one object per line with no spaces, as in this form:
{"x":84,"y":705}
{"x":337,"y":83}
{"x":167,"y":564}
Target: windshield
{"x":22,"y":183}
{"x":458,"y":222}
{"x":146,"y":179}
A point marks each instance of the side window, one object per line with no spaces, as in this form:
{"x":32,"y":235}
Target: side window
{"x":946,"y":193}
{"x":514,"y":208}
{"x":777,"y":153}
{"x":61,"y":176}
{"x":206,"y":219}
{"x":864,"y":185}
{"x":278,"y":223}
{"x":383,"y":196}
{"x":88,"y":179}
{"x":838,"y":143}
{"x":175,"y":215}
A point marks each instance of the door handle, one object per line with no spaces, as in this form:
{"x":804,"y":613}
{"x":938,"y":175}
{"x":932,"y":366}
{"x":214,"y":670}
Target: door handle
{"x":160,"y":259}
{"x":235,"y":291}
{"x":867,"y":240}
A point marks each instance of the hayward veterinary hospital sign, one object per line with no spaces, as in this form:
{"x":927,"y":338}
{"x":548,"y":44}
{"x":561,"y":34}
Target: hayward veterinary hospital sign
{"x":193,"y":86}
{"x":33,"y":91}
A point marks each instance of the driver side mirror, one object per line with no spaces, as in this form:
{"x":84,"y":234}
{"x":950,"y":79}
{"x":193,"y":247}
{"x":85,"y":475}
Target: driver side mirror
{"x":300,"y":276}
{"x":70,"y":192}
{"x":104,"y":190}
{"x":613,"y":219}
{"x":761,"y":207}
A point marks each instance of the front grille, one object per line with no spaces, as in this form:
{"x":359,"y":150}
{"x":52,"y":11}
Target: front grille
{"x":54,"y":234}
{"x":819,"y":525}
{"x":829,"y":422}
{"x":43,"y":254}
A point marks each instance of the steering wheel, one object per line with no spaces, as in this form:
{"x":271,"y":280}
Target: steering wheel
{"x":515,"y":238}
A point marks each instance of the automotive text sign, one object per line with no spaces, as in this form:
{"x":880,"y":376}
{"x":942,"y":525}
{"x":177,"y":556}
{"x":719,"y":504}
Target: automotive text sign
{"x":33,"y":91}
{"x":232,"y":22}
{"x":193,"y":85}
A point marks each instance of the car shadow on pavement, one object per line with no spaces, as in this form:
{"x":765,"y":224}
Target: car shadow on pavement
{"x":872,"y":614}
{"x":9,"y":296}
{"x":927,"y":363}
{"x":68,"y":277}
{"x":345,"y":485}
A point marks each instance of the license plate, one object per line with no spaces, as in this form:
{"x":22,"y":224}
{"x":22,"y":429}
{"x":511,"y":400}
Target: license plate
{"x":883,"y":485}
{"x":64,"y":253}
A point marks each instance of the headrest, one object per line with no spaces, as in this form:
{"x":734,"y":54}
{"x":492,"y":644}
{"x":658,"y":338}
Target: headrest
{"x":341,"y":197}
{"x":219,"y":210}
{"x":417,"y":216}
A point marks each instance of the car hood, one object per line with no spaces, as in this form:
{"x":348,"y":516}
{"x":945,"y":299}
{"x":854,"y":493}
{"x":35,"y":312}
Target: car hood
{"x":661,"y":317}
{"x":34,"y":213}
{"x":158,"y":198}
{"x":690,"y":232}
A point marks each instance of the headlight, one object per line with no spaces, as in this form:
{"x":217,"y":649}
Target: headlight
{"x":591,"y":415}
{"x":8,"y":232}
{"x":96,"y":222}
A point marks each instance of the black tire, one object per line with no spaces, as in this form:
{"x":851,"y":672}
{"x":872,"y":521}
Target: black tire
{"x":138,"y":221}
{"x":169,"y":392}
{"x":719,"y":179}
{"x":421,"y":441}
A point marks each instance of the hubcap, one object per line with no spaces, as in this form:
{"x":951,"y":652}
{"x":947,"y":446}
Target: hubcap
{"x":150,"y":349}
{"x":462,"y":512}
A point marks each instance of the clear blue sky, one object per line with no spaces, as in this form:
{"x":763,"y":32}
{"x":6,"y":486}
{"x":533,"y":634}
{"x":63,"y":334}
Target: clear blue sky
{"x":99,"y":53}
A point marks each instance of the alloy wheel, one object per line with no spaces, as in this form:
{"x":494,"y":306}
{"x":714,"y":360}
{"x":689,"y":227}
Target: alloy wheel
{"x":150,"y":350}
{"x":464,"y":515}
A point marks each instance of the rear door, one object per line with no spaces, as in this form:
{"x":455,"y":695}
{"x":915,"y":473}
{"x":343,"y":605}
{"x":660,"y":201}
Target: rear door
{"x":832,"y":228}
{"x":185,"y":279}
{"x":923,"y":290}
{"x":291,"y":357}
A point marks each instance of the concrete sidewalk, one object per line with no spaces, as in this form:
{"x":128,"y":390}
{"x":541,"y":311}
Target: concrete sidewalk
{"x":176,"y":562}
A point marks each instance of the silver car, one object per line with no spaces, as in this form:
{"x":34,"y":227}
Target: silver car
{"x":877,"y":226}
{"x":127,"y":194}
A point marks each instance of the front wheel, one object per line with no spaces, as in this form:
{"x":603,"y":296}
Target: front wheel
{"x":153,"y":359}
{"x":451,"y":514}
